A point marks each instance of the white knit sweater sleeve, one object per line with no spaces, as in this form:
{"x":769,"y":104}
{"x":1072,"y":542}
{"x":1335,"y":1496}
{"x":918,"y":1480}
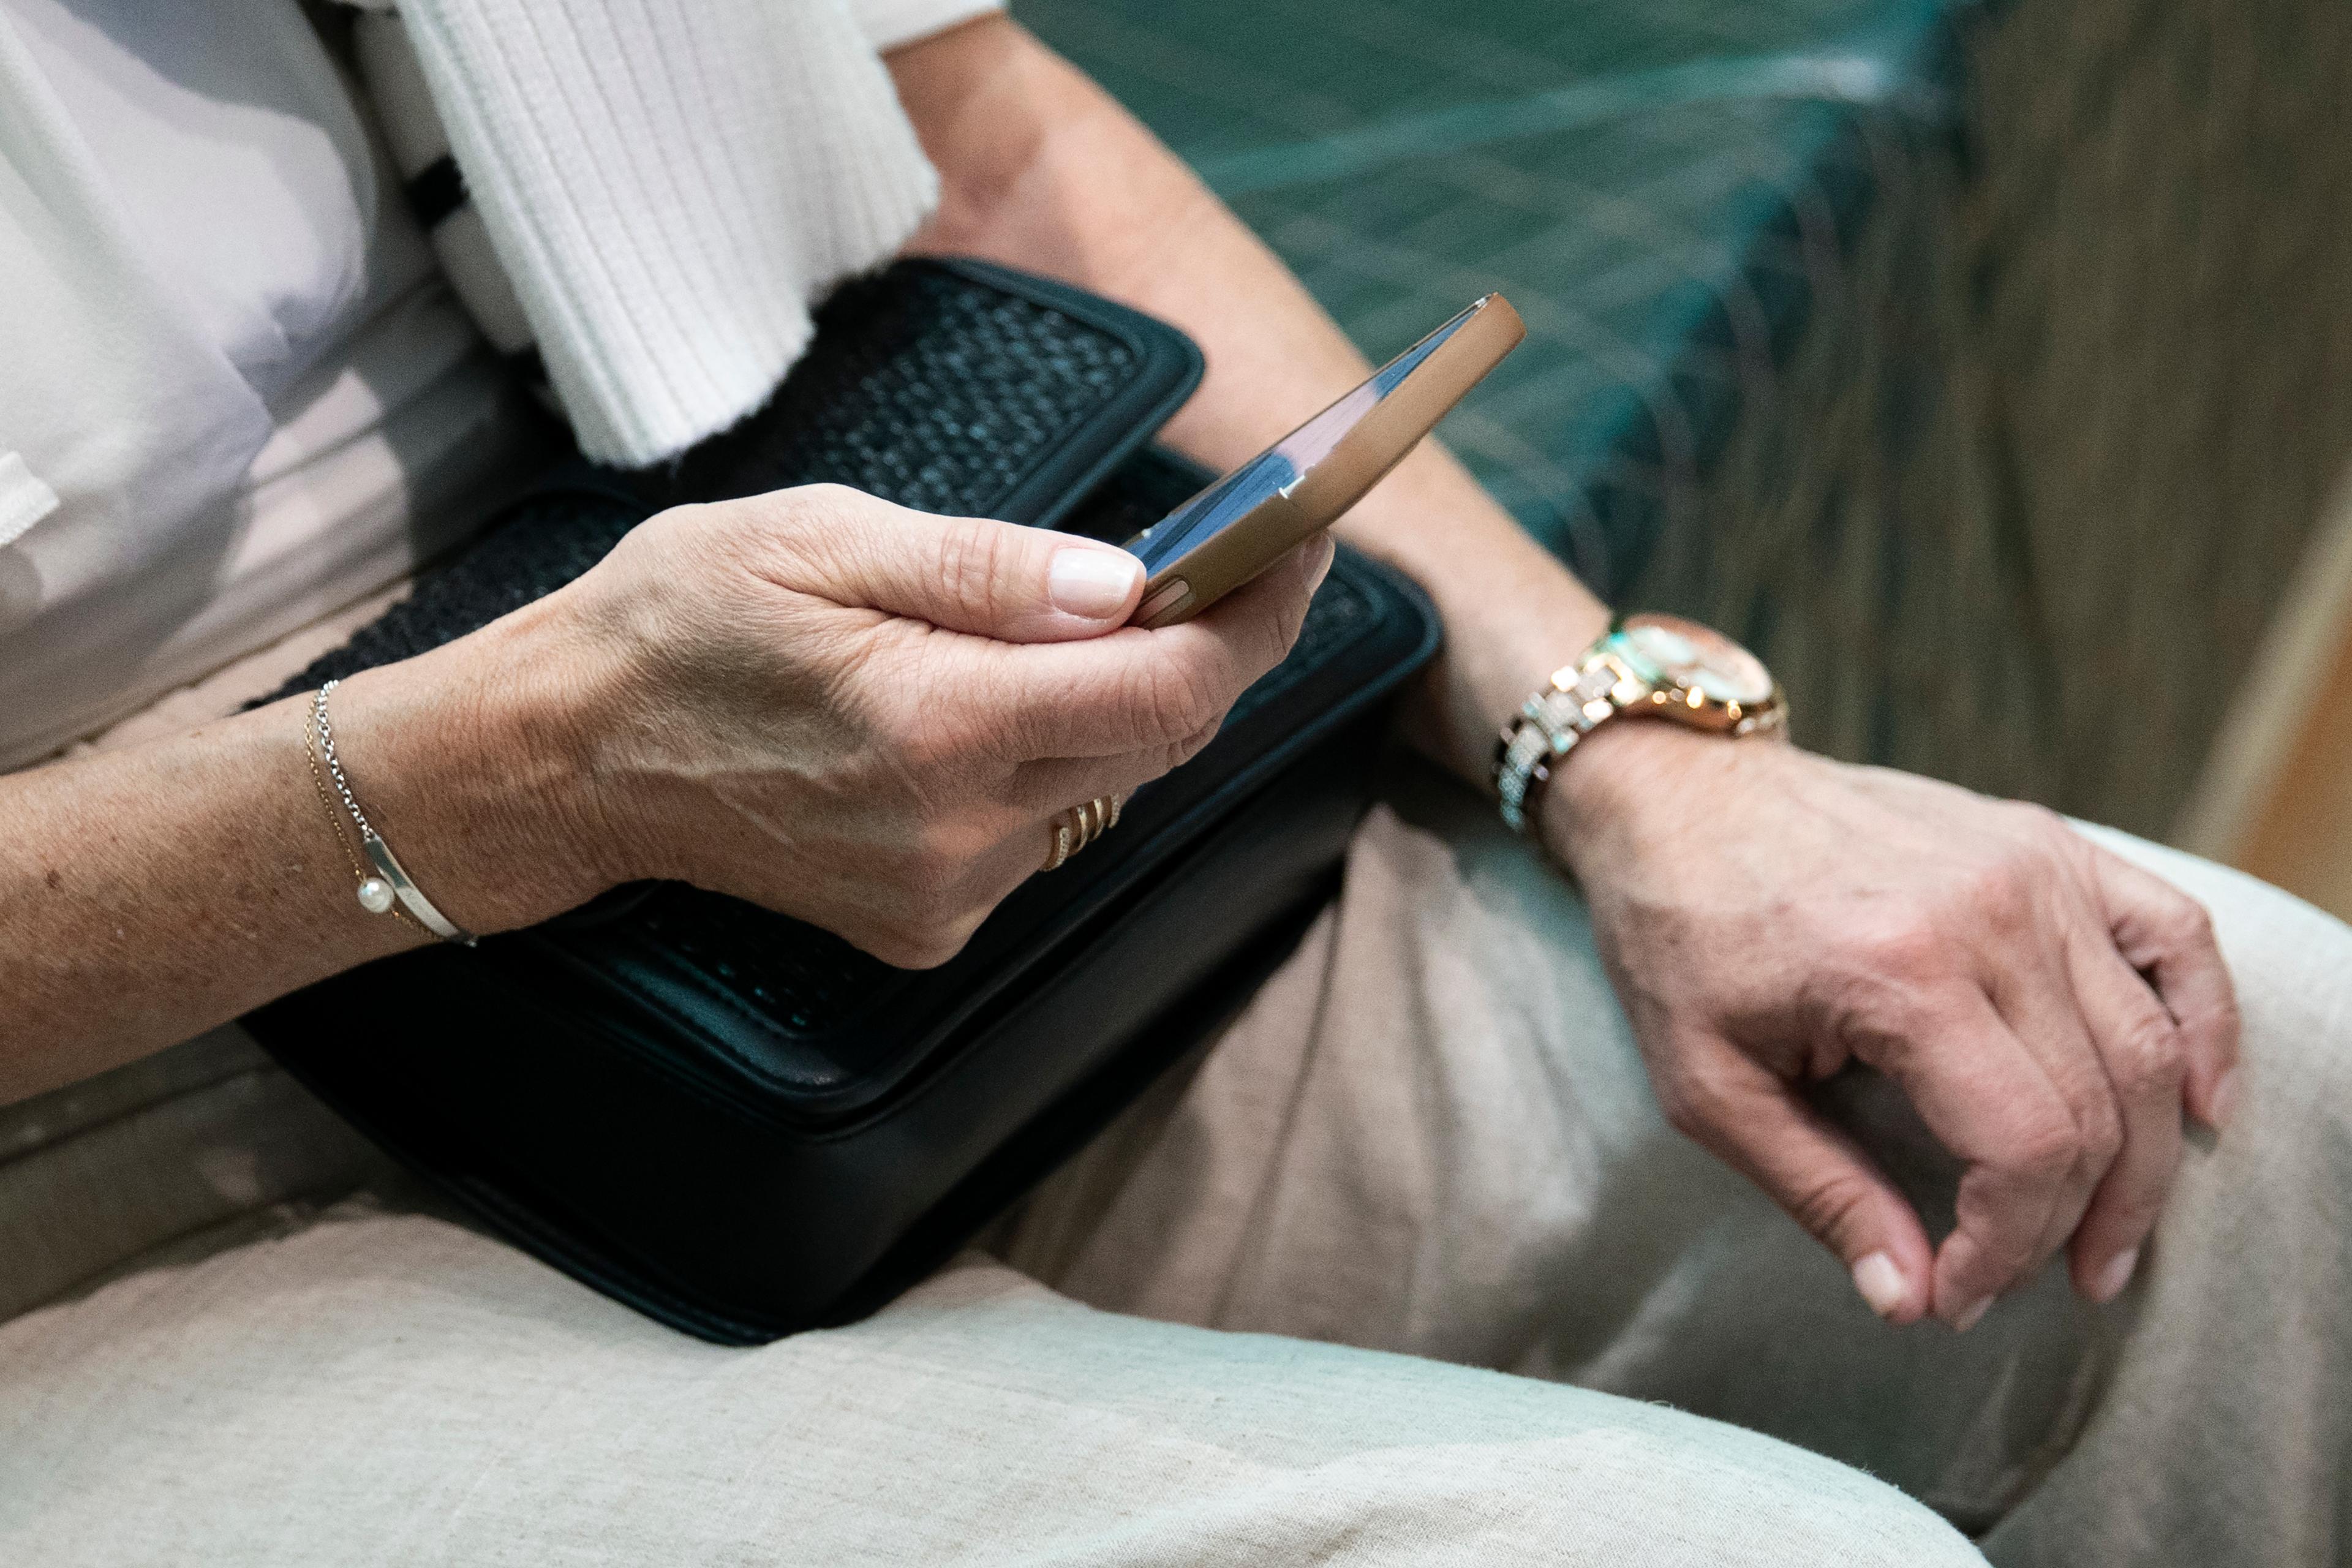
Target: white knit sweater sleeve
{"x":669,"y":183}
{"x":889,"y":23}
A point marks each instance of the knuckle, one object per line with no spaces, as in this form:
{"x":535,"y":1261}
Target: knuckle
{"x":1906,"y":947}
{"x":1276,"y":633}
{"x":2184,"y":923}
{"x":928,"y":915}
{"x":1191,"y":746}
{"x":1177,"y":699}
{"x":1148,"y":764}
{"x":824,"y":503}
{"x":2002,"y":891}
{"x":823,"y":496}
{"x":814,"y":517}
{"x":2044,"y":1146}
{"x":1829,"y":1205}
{"x":688,"y":518}
{"x":2040,"y":824}
{"x":2146,"y":1053}
{"x":944,"y":938}
{"x":695,"y":541}
{"x":970,"y":566}
{"x":2100,"y":1136}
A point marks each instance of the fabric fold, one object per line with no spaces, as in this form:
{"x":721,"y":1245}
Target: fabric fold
{"x":23,"y":498}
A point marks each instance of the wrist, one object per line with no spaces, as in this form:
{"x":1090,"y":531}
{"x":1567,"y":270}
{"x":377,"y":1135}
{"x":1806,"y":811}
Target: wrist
{"x":1653,"y":672}
{"x":469,"y":760}
{"x":1508,"y":626}
{"x":1595,"y":805}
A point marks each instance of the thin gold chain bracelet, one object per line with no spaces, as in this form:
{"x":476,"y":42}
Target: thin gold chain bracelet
{"x":387,"y":890}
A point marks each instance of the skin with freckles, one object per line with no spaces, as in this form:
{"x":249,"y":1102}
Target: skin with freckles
{"x":865,"y":717}
{"x":856,"y":714}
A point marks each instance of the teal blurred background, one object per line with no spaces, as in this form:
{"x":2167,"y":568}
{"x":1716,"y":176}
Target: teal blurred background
{"x":1985,"y":366}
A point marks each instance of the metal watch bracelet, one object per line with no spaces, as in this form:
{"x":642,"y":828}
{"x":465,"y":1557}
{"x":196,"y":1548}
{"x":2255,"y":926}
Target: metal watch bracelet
{"x":1548,"y":725}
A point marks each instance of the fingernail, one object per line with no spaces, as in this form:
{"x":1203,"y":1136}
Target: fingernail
{"x":1880,"y":1282}
{"x":1093,"y":584}
{"x":2114,"y":1276}
{"x":1966,"y":1318}
{"x":2225,"y":1098}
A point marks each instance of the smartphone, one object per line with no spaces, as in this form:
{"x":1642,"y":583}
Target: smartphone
{"x":1242,"y":524}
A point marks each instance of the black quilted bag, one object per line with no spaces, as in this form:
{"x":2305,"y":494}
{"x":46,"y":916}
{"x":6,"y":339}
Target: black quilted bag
{"x":737,"y":1122}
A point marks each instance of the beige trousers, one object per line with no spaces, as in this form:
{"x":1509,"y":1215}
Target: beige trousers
{"x":1429,"y":1134}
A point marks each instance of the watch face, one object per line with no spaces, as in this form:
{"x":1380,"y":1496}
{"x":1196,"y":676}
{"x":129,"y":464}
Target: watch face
{"x":1688,"y":653}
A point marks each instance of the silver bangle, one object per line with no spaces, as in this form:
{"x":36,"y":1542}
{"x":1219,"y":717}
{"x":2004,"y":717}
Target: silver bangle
{"x":390,"y":889}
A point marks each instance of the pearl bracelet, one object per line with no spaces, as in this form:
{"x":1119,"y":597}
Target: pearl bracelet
{"x":389,"y":891}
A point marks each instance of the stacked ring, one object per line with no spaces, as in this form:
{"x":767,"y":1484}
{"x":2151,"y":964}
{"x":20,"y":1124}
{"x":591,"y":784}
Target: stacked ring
{"x":1078,"y":827}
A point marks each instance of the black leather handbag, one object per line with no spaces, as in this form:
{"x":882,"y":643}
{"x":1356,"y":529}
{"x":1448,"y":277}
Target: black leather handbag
{"x":736,"y":1122}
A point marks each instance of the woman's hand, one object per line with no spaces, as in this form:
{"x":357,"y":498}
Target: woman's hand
{"x":867,"y":717}
{"x":858,"y":715}
{"x":1770,"y":917}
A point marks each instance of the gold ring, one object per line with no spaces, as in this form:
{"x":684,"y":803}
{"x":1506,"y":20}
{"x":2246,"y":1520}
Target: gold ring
{"x":1078,"y":827}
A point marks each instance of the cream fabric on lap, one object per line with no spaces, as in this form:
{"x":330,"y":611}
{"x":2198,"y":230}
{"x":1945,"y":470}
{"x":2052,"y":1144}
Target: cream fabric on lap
{"x":178,"y":1154}
{"x":1429,"y":1133}
{"x":392,"y":1389}
{"x":1432,"y":1132}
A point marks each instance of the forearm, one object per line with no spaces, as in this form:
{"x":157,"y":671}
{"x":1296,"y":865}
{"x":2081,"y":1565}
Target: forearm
{"x":1826,"y":916}
{"x":1041,"y":170}
{"x":150,"y":893}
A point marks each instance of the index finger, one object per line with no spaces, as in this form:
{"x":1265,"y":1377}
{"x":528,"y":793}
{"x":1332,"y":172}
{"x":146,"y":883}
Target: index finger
{"x":1991,"y":1103}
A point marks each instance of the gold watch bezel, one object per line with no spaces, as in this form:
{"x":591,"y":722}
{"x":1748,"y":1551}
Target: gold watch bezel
{"x":1644,"y":689}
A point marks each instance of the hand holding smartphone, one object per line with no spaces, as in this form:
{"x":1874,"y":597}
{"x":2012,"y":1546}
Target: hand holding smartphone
{"x":1243,"y":523}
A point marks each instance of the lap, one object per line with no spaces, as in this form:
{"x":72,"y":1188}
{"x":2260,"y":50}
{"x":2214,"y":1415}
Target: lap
{"x":390,"y":1388}
{"x":1433,"y":1134}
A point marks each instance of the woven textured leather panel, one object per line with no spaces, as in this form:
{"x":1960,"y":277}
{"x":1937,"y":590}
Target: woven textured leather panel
{"x":545,"y":542}
{"x":942,"y":398}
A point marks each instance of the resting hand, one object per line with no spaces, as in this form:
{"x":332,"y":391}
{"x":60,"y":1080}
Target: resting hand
{"x":1770,"y":917}
{"x":866,"y":716}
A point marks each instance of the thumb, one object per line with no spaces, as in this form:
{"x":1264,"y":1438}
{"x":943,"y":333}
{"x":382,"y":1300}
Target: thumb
{"x":970,"y":574}
{"x":1755,"y":1122}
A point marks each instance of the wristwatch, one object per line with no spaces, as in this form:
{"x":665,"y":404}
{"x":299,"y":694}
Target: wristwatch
{"x":1658,"y":665}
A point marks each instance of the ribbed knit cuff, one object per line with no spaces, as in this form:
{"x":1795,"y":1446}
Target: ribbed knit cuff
{"x":669,"y":184}
{"x":889,"y":23}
